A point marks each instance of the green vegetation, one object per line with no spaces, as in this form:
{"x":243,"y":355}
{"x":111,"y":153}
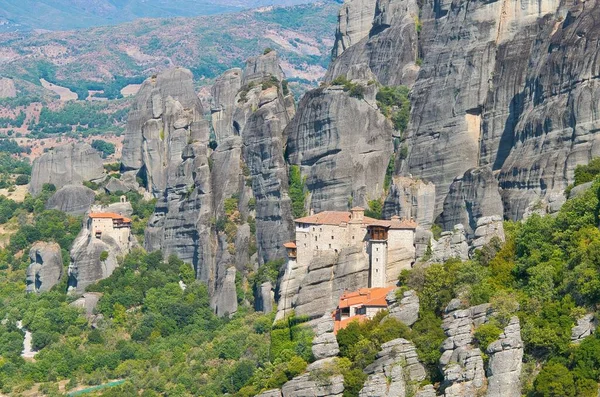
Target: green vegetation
{"x":375,"y":209}
{"x":79,"y":118}
{"x":6,"y":122}
{"x":297,"y":192}
{"x":389,"y":173}
{"x":394,"y":104}
{"x":585,"y":173}
{"x":355,"y":90}
{"x":142,"y":209}
{"x":106,"y":148}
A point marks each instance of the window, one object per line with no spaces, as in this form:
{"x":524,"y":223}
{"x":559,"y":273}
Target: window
{"x":329,"y":246}
{"x":315,"y":238}
{"x":332,"y":237}
{"x":352,"y":237}
{"x":376,"y":259}
{"x":377,"y":249}
{"x":320,"y":229}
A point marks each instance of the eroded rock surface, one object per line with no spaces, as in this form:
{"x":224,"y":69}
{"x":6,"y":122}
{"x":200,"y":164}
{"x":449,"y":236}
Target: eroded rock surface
{"x":72,"y":199}
{"x":355,"y":20}
{"x":450,"y":245}
{"x":324,"y":343}
{"x":506,"y":358}
{"x":488,"y":228}
{"x":68,"y":164}
{"x":46,"y":268}
{"x":585,"y":326}
{"x":405,"y":309}
{"x":225,"y":299}
{"x":411,"y":199}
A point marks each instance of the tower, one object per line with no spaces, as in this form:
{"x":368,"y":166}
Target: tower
{"x":378,"y":245}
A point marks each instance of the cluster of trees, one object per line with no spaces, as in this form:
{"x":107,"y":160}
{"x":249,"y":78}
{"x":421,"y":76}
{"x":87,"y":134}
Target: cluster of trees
{"x":393,"y":102}
{"x":106,"y":148}
{"x":6,"y":122}
{"x":297,"y":191}
{"x":87,"y":119}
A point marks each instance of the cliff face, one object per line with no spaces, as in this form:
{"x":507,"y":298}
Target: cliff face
{"x":342,"y":145}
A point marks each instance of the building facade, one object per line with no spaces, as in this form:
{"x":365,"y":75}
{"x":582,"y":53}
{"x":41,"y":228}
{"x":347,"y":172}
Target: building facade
{"x":110,"y":224}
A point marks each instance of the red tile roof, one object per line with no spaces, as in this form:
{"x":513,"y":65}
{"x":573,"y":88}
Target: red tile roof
{"x":109,"y":215}
{"x":291,"y":244}
{"x":331,"y":218}
{"x":365,"y":297}
{"x":395,"y":224}
{"x":341,"y":324}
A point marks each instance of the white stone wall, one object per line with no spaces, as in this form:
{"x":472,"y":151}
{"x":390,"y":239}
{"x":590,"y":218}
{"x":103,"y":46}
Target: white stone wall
{"x":331,"y":238}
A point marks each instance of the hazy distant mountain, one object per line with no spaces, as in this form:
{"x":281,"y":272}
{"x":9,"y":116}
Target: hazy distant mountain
{"x":76,"y":14}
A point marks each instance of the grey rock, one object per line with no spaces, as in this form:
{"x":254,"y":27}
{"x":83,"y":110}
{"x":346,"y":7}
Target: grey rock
{"x":472,"y":196}
{"x":46,"y":268}
{"x":450,"y":245}
{"x":342,"y":146}
{"x":265,"y":298}
{"x":115,"y":185}
{"x":72,"y":199}
{"x":411,"y":199}
{"x":355,"y":20}
{"x":407,"y":309}
{"x":224,"y":93}
{"x":586,"y":325}
{"x":423,"y":242}
{"x":305,"y":386}
{"x":488,"y":227}
{"x":580,"y":189}
{"x":390,"y":50}
{"x":68,"y":164}
{"x":225,"y":298}
{"x":396,"y":372}
{"x":7,"y":88}
{"x":160,"y":124}
{"x":88,"y":302}
{"x":324,"y":344}
{"x":426,"y":391}
{"x":314,"y":289}
{"x":506,"y":357}
{"x":261,"y":68}
{"x":270,"y":393}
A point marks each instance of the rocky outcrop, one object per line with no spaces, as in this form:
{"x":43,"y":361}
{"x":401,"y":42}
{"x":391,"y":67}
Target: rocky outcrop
{"x":472,"y":196}
{"x":586,"y":326}
{"x":264,"y":301}
{"x":308,"y":385}
{"x":314,"y":290}
{"x":411,"y":199}
{"x":159,"y":128}
{"x":88,"y":303}
{"x":223,"y":93}
{"x":261,"y":68}
{"x":46,"y":268}
{"x":405,"y":309}
{"x":68,"y":164}
{"x":7,"y":88}
{"x":355,"y":20}
{"x":261,"y":115}
{"x":390,"y":50}
{"x":225,"y":298}
{"x":506,"y":358}
{"x":488,"y":227}
{"x":115,"y":185}
{"x":396,"y":372}
{"x":324,"y":343}
{"x":72,"y":199}
{"x":450,"y":245}
{"x":342,"y":145}
{"x":461,"y":362}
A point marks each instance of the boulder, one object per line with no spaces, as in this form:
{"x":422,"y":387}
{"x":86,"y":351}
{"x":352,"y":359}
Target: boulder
{"x":586,"y":325}
{"x":88,"y":302}
{"x":450,"y":245}
{"x":406,"y":309}
{"x":46,"y":268}
{"x":115,"y":185}
{"x":68,"y":164}
{"x":72,"y":199}
{"x":488,"y":227}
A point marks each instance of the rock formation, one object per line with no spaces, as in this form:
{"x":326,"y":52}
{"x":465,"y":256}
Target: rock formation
{"x":406,"y":309}
{"x":265,"y":298}
{"x":46,"y":268}
{"x":396,"y":372}
{"x":450,"y":245}
{"x":116,"y":185}
{"x":166,"y":116}
{"x":488,"y":228}
{"x":68,"y":164}
{"x":224,"y":92}
{"x":324,"y":343}
{"x":586,"y":326}
{"x":7,"y":88}
{"x":225,"y":298}
{"x":306,"y":385}
{"x":411,"y":199}
{"x":315,"y":289}
{"x":342,"y":145}
{"x":389,"y":52}
{"x":506,"y":358}
{"x":471,"y":197}
{"x":72,"y":199}
{"x":355,"y":20}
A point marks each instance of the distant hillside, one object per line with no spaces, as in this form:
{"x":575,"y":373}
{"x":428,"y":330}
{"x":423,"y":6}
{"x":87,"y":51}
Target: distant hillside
{"x":109,"y":58}
{"x":77,"y":14}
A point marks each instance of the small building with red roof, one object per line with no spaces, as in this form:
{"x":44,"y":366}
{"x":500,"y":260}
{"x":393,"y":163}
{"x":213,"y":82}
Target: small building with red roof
{"x":110,"y":224}
{"x":359,"y":306}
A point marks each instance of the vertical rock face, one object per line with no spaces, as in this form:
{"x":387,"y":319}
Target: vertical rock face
{"x":226,"y":298}
{"x":224,"y":91}
{"x":261,"y":68}
{"x":506,"y":358}
{"x":7,"y":88}
{"x":68,"y":164}
{"x":159,"y":128}
{"x":488,"y":227}
{"x":315,"y":289}
{"x":389,"y":51}
{"x":411,"y":199}
{"x":355,"y":20}
{"x":471,"y":197}
{"x":342,"y":145}
{"x":72,"y":199}
{"x":46,"y":267}
{"x":405,"y":309}
{"x":396,"y":372}
{"x":324,"y":343}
